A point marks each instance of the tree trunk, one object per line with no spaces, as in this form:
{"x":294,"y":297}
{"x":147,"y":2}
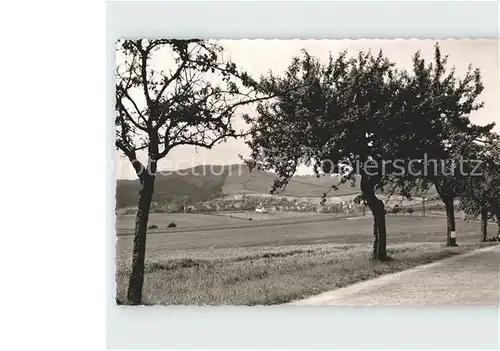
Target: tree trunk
{"x":379,"y":226}
{"x":136,"y":280}
{"x":451,"y":239}
{"x":496,"y":212}
{"x":447,"y":195}
{"x":379,"y":230}
{"x":498,"y":230}
{"x":484,"y":224}
{"x":375,"y":235}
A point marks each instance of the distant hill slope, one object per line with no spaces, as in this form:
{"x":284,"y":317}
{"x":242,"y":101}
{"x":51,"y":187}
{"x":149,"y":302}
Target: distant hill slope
{"x":191,"y":184}
{"x":240,"y":180}
{"x":203,"y":183}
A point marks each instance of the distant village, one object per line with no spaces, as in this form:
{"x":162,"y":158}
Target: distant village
{"x":259,"y":204}
{"x":263,"y":203}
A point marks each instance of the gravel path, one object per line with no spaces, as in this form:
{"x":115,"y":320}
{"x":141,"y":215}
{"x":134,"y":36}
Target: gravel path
{"x":469,"y":279}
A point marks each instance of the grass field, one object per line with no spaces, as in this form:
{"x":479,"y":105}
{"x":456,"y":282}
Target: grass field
{"x":219,"y":221}
{"x":182,"y":220}
{"x":279,"y":263}
{"x":357,"y":230}
{"x":266,"y":275}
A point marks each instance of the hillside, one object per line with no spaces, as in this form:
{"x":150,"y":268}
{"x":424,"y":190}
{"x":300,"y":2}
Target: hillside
{"x":240,"y":180}
{"x":187,"y":185}
{"x":203,"y":183}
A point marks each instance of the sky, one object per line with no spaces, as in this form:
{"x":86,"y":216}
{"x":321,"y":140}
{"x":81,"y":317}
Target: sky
{"x":257,"y":57}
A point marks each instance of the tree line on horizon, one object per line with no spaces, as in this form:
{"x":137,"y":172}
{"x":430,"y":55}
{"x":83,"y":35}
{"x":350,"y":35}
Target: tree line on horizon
{"x":359,"y":108}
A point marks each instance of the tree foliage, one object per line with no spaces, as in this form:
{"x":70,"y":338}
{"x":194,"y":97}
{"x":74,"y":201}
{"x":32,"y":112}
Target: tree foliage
{"x":343,"y":116}
{"x":438,"y":106}
{"x":363,"y":111}
{"x":480,"y":195}
{"x":339,"y":117}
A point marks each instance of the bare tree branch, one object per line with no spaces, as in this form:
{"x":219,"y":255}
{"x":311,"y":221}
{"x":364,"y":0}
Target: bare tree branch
{"x":138,"y":167}
{"x":144,"y":74}
{"x":129,"y":117}
{"x":141,"y":115}
{"x":175,"y":76}
{"x":207,"y":145}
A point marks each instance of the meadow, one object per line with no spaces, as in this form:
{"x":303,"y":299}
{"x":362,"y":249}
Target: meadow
{"x":219,"y":221}
{"x":278,"y":263}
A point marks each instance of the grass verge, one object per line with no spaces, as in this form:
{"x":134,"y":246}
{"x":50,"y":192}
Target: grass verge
{"x":267,"y":276}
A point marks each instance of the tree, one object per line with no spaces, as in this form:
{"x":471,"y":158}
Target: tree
{"x":439,"y":106}
{"x":410,"y":211}
{"x":491,"y":175}
{"x":474,"y":209}
{"x":171,"y":93}
{"x":395,"y":210}
{"x":346,"y":114}
{"x":480,"y":195}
